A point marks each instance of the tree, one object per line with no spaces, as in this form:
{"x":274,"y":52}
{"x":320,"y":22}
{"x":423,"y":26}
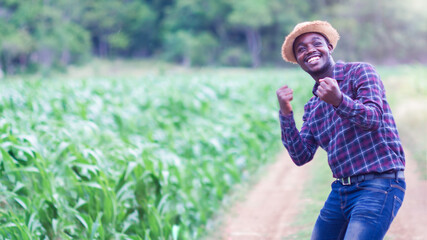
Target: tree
{"x":190,"y":31}
{"x":382,"y":31}
{"x":250,"y":16}
{"x":116,"y":26}
{"x":35,"y":34}
{"x":45,"y":34}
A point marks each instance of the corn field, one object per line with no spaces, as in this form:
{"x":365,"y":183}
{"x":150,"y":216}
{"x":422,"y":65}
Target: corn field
{"x":147,"y":158}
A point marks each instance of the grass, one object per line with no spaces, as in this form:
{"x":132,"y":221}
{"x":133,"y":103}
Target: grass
{"x":316,"y":190}
{"x":407,"y":93}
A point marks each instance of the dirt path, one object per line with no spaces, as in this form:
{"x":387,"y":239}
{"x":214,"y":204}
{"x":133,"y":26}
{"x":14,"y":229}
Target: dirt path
{"x":270,"y":207}
{"x":267,"y":210}
{"x":411,"y":220}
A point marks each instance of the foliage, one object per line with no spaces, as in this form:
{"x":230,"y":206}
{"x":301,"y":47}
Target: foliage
{"x":147,"y":158}
{"x":408,"y":101}
{"x":189,"y":49}
{"x":36,"y":35}
{"x":45,"y":34}
{"x":385,"y":30}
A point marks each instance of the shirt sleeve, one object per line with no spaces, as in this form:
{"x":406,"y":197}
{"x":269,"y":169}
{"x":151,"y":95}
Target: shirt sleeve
{"x":301,"y":146}
{"x":365,"y":110}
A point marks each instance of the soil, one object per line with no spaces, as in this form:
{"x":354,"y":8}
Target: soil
{"x":411,"y":220}
{"x":269,"y":208}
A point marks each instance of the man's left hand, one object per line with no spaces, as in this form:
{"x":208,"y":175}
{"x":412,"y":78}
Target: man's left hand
{"x":329,"y":91}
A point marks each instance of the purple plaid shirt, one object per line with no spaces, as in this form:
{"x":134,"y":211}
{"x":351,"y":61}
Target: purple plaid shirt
{"x":360,"y":135}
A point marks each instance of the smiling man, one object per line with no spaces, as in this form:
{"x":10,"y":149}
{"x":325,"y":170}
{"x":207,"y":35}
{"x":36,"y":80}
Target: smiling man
{"x":350,"y":118}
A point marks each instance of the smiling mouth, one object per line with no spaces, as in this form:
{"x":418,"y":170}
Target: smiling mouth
{"x":313,"y":59}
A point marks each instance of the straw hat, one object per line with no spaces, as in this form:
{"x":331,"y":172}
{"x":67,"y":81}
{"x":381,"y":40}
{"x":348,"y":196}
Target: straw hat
{"x":321,"y":27}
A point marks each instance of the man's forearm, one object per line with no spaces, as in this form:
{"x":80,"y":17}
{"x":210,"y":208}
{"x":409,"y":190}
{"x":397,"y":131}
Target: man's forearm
{"x":367,"y":116}
{"x":298,"y":148}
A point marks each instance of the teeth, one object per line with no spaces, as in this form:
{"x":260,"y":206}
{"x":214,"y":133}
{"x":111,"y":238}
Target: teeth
{"x":313,"y":59}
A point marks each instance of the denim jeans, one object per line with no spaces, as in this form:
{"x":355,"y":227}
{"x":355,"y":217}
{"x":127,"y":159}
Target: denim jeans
{"x":362,"y":210}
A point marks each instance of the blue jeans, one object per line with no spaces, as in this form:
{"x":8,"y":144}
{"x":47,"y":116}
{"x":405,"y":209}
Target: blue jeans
{"x":360,"y":211}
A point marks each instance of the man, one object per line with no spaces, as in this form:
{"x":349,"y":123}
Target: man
{"x":350,"y":118}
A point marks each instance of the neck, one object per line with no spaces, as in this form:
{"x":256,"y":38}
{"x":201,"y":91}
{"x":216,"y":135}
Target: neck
{"x":326,"y":71}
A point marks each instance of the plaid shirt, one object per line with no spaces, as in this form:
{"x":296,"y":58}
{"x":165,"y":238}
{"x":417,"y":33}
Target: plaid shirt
{"x":359,"y":136}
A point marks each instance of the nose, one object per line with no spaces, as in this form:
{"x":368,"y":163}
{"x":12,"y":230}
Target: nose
{"x":310,"y":48}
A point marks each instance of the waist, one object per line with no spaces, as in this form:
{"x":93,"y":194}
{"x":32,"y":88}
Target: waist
{"x":396,"y":174}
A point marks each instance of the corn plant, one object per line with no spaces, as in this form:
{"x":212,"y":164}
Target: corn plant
{"x":148,"y":158}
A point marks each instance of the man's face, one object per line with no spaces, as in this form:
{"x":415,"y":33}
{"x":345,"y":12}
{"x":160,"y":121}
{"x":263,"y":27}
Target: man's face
{"x":313,"y":53}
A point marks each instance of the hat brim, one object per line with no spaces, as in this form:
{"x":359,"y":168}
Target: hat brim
{"x":321,"y":27}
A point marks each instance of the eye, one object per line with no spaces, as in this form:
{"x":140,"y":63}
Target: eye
{"x":300,"y":49}
{"x":317,"y":44}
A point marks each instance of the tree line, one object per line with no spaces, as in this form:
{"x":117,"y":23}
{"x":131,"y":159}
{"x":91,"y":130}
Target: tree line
{"x":38,"y":35}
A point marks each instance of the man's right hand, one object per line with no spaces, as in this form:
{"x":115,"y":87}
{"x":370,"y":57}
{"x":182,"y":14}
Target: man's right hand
{"x":285,"y":96}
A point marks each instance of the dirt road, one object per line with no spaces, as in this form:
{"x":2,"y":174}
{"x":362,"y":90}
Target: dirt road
{"x":270,"y":207}
{"x":411,"y":221}
{"x":266,"y":212}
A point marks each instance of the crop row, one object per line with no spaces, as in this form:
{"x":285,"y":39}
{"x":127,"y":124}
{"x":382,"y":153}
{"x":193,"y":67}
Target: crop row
{"x":149,"y":158}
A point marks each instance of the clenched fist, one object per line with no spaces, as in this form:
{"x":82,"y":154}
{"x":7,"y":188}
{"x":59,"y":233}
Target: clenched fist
{"x":285,"y":96}
{"x":329,"y":91}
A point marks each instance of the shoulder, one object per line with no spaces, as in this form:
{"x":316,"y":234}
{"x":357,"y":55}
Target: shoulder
{"x":357,"y":70}
{"x":354,"y":66}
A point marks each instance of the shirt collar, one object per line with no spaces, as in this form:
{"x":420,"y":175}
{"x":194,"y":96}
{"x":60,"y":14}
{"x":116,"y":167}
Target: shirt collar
{"x":337,"y":75}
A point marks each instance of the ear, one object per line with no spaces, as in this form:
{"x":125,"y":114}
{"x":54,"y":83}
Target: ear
{"x":331,"y":48}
